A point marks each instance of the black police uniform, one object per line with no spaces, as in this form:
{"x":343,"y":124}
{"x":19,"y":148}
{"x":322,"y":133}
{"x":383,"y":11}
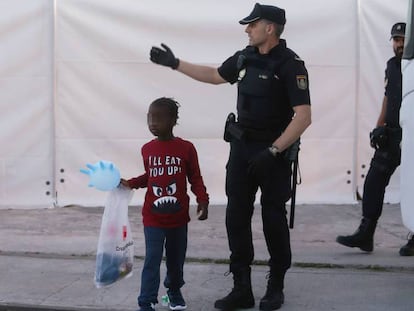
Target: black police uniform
{"x":268,"y":87}
{"x":388,"y":156}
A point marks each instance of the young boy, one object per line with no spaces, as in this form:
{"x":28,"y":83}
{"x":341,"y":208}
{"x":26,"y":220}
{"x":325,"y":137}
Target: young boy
{"x":169,"y":161}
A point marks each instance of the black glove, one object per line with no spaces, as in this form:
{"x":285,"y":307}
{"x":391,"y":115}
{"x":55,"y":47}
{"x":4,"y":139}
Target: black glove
{"x":378,"y":137}
{"x":164,"y":56}
{"x":259,"y":166}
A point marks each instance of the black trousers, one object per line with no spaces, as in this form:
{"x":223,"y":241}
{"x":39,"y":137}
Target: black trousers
{"x":383,"y":165}
{"x":241,"y":189}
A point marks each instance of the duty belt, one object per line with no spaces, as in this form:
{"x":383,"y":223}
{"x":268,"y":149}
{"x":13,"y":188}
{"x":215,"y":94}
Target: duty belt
{"x":260,"y":135}
{"x":235,"y":130}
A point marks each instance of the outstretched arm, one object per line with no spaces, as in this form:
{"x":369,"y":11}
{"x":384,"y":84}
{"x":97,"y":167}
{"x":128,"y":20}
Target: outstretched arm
{"x":200,"y":73}
{"x":164,"y":56}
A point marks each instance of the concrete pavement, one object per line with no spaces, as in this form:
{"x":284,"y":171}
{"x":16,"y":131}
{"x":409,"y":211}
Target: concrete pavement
{"x":47,"y":262}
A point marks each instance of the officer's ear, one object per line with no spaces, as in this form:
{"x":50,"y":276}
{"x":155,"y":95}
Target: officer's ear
{"x":271,"y":28}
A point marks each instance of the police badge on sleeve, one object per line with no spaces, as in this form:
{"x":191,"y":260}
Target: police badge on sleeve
{"x":242,"y":73}
{"x":302,"y":82}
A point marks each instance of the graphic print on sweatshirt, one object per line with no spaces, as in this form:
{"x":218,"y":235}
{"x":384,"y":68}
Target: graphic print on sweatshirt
{"x":162,"y":170}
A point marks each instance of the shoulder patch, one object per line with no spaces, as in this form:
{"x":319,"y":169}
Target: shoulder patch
{"x":302,"y":82}
{"x":242,"y":73}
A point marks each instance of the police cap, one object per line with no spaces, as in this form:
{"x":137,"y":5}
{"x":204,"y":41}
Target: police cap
{"x":268,"y":12}
{"x":398,"y":30}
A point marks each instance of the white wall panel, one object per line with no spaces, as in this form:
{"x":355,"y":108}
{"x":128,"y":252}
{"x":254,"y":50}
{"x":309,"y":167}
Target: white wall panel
{"x":104,"y":68}
{"x":105,"y":83}
{"x":26,"y":126}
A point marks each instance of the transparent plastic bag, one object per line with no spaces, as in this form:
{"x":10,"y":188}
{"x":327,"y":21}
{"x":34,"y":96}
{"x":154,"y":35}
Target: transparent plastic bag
{"x":115,"y":254}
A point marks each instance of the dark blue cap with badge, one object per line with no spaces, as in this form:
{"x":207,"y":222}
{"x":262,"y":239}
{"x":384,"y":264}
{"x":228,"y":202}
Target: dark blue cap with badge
{"x":268,"y":12}
{"x":398,"y":30}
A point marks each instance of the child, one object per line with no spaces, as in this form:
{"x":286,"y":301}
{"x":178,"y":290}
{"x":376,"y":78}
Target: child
{"x":169,"y":161}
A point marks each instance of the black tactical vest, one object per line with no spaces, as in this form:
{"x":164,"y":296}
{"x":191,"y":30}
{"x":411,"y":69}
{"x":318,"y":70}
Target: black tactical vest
{"x":394,"y":92}
{"x":263,"y":101}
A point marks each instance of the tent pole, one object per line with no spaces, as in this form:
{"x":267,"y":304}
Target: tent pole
{"x":54,"y":96}
{"x":357,"y":97}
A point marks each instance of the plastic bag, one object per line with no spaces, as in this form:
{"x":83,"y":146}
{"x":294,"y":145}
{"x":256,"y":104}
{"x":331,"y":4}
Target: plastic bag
{"x":115,"y":254}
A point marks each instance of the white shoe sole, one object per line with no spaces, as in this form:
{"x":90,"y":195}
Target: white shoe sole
{"x":178,"y":307}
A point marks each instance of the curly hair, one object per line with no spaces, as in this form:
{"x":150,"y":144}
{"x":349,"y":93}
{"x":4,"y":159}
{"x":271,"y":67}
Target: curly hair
{"x":170,"y":104}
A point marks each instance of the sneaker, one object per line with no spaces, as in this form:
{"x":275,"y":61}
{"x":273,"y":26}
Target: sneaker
{"x":408,"y":249}
{"x":176,"y":300}
{"x":147,"y":307}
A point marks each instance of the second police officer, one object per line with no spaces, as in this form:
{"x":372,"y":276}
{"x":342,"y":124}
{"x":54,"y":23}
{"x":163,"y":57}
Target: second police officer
{"x":273,"y":110}
{"x":386,"y":139}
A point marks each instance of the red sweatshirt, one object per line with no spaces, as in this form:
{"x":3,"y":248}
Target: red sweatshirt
{"x":168,"y":165}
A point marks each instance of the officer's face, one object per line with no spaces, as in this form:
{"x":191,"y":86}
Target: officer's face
{"x":398,"y":46}
{"x":258,"y":32}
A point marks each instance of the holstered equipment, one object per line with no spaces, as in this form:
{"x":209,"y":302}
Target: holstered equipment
{"x":232,"y":129}
{"x":383,"y":137}
{"x":378,"y":137}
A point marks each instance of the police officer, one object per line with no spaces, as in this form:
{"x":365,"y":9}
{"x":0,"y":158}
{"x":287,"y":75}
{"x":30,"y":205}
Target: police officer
{"x":385,"y":138}
{"x":273,"y":108}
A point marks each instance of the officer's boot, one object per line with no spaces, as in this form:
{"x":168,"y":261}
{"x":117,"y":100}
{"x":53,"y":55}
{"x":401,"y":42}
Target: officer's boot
{"x":363,"y":236}
{"x":274,"y":297}
{"x":241,"y":296}
{"x":408,"y":249}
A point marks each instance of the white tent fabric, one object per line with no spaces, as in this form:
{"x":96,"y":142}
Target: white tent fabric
{"x":26,"y":92}
{"x":76,"y":83}
{"x":407,"y":147}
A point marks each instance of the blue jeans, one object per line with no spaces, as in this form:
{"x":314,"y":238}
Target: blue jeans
{"x":175,"y":240}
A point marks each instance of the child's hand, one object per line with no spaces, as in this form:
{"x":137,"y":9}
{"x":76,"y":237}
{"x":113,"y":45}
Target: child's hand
{"x":202,"y":211}
{"x":124,"y":182}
